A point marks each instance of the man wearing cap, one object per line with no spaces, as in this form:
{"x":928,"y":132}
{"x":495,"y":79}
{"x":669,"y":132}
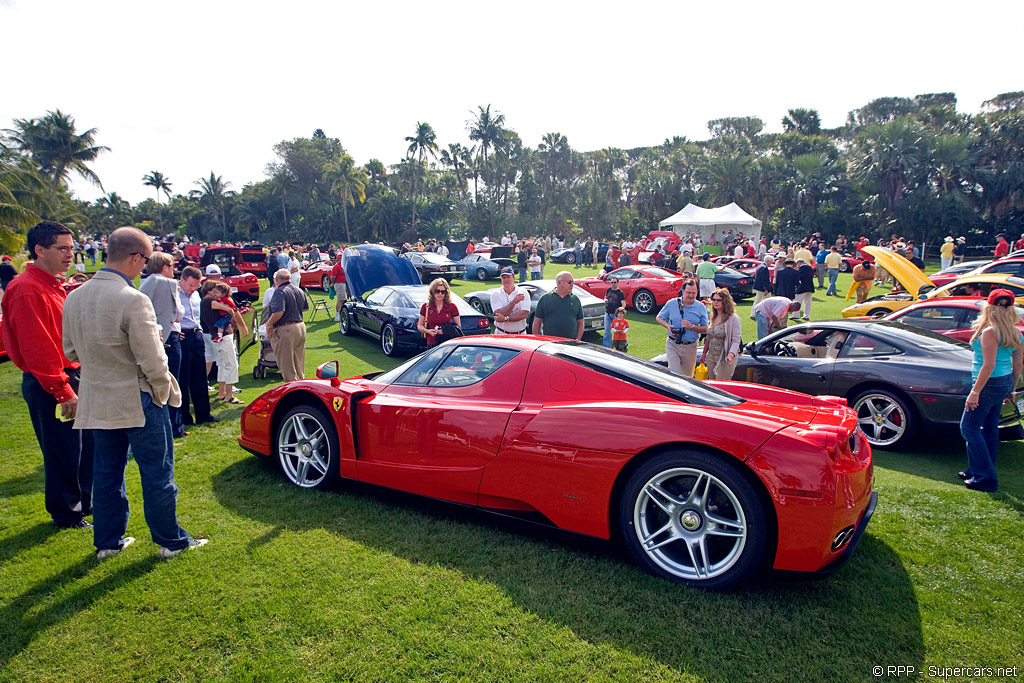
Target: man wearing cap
{"x":946,"y":252}
{"x":340,"y":290}
{"x":960,"y":250}
{"x":33,"y":310}
{"x":705,"y":273}
{"x":864,"y":276}
{"x":614,"y":299}
{"x":559,"y":312}
{"x":510,"y":305}
{"x":1002,"y":247}
{"x":685,"y":319}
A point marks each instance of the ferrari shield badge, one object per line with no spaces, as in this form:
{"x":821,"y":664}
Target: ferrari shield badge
{"x":338,"y":402}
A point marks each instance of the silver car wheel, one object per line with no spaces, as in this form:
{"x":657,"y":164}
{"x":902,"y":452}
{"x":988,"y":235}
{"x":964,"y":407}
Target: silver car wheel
{"x":881,"y":418}
{"x":644,"y":302}
{"x":387,"y":340}
{"x":690,"y":523}
{"x":304,"y":450}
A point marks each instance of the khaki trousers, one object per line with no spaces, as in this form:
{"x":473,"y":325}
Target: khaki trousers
{"x":289,"y":344}
{"x":682,"y":358}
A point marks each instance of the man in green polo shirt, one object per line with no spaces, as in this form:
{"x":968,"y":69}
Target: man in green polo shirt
{"x":559,"y":313}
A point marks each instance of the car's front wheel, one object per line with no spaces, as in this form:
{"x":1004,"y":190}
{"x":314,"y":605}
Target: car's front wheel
{"x":694,"y":518}
{"x":885,"y":418}
{"x":325,"y":282}
{"x":387,"y":340}
{"x":306,"y":446}
{"x":346,"y":322}
{"x":481,"y":273}
{"x":644,"y":301}
{"x":570,"y":258}
{"x":844,"y":267}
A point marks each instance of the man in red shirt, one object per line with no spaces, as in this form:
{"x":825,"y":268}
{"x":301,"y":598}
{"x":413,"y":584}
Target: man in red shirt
{"x":33,"y":308}
{"x":1002,"y":247}
{"x":340,"y":292}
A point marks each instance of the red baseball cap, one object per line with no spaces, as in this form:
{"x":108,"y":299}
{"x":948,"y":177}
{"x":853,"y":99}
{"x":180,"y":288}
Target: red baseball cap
{"x":1000,"y":297}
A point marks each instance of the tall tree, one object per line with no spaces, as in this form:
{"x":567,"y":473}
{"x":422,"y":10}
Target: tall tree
{"x":56,"y":146}
{"x":214,"y":193}
{"x":420,"y":144}
{"x":158,"y":181}
{"x":348,"y":182}
{"x":487,"y":130}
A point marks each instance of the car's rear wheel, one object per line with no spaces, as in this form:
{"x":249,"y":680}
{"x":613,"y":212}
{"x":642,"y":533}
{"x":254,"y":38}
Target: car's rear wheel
{"x":481,"y":273}
{"x":346,"y":322}
{"x":325,"y":282}
{"x":878,"y":312}
{"x":844,"y":267}
{"x":476,"y":304}
{"x":387,"y":340}
{"x":306,"y":446}
{"x":570,"y":257}
{"x":694,"y":518}
{"x":885,"y":418}
{"x":644,"y":301}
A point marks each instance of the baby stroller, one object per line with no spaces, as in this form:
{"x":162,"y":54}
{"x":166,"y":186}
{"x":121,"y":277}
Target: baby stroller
{"x":265,"y":359}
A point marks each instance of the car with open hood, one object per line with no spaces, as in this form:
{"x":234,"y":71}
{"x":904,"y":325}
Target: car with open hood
{"x":917,"y":287}
{"x":704,"y":483}
{"x":386,"y":299}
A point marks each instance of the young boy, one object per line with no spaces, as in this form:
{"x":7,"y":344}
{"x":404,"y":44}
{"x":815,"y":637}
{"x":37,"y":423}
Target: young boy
{"x":619,"y":328}
{"x":225,"y":319}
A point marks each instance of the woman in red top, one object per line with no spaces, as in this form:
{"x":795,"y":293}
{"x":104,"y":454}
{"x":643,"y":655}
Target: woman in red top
{"x":438,"y":311}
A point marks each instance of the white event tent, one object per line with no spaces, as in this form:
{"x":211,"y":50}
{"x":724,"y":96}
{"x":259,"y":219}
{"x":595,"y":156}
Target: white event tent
{"x":708,"y":222}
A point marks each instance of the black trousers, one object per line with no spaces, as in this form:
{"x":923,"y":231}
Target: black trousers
{"x":192,"y":379}
{"x":173,"y":350}
{"x":67,"y":454}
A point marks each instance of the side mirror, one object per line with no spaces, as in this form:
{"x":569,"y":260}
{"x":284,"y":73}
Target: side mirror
{"x":750,"y":349}
{"x":329,"y":370}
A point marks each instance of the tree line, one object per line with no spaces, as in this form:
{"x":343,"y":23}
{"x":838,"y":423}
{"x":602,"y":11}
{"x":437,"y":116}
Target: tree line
{"x":908,"y":165}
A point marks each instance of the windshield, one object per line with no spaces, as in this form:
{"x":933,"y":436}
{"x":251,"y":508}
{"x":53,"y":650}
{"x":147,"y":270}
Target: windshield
{"x":659,"y":242}
{"x":641,"y":373}
{"x":660,"y":272}
{"x":433,"y":258}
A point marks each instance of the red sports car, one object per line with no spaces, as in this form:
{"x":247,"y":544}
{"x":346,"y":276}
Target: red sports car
{"x":705,"y":483}
{"x":951,"y":316}
{"x":646,"y":287}
{"x":316,"y":274}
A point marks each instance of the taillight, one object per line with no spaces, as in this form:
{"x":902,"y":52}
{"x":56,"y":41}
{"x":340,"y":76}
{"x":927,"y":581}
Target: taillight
{"x":482,"y":323}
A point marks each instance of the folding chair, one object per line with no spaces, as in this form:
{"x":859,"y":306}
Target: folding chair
{"x":315,"y":305}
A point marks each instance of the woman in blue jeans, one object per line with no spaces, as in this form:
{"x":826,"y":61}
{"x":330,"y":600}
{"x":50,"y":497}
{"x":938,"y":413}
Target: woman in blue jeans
{"x":997,"y":366}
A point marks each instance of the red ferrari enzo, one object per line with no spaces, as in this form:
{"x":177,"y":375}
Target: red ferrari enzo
{"x":706,"y":483}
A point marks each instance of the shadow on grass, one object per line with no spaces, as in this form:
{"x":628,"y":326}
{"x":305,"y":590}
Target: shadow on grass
{"x":940,"y":460}
{"x":23,"y":540}
{"x":56,"y":599}
{"x":835,"y":629}
{"x":32,"y":482}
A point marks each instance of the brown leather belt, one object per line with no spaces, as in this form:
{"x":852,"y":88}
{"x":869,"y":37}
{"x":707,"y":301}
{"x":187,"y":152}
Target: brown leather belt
{"x":522,"y":331}
{"x":294,"y":322}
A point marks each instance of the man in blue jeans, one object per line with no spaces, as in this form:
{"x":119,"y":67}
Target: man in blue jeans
{"x":125,"y":389}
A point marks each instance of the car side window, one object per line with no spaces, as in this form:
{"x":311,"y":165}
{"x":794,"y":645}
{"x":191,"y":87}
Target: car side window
{"x":469,"y":364}
{"x":379,"y":297}
{"x":419,"y":374}
{"x":863,"y":346}
{"x":935,"y":318}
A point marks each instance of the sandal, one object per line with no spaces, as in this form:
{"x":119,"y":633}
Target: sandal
{"x":233,"y":401}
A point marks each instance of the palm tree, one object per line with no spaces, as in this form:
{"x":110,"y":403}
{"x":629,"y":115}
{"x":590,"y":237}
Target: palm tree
{"x":57,"y":148}
{"x":423,"y":142}
{"x":158,"y":181}
{"x":488,"y":130}
{"x":118,"y":210}
{"x":281,"y":182}
{"x":348,"y":181}
{"x":889,"y":158}
{"x":214,"y":193}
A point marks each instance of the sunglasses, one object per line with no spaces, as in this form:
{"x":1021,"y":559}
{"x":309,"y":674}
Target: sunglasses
{"x":716,"y":298}
{"x":440,"y":290}
{"x":144,"y":257}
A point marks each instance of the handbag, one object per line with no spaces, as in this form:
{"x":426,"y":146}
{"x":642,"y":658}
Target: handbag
{"x":700,"y":372}
{"x":449,"y":331}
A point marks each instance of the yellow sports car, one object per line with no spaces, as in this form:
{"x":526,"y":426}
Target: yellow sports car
{"x":917,"y":287}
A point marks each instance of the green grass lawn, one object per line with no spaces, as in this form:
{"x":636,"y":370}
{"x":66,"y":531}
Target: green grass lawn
{"x":366,"y":584}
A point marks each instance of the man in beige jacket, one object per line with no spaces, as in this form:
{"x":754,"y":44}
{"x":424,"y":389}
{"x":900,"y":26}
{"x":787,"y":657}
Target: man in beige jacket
{"x":125,"y":390}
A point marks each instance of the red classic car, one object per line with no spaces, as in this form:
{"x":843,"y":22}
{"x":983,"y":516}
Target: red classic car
{"x":705,"y":483}
{"x":646,"y":287}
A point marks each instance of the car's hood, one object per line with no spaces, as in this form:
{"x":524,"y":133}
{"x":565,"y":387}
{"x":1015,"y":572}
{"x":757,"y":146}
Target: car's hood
{"x":369,"y":266}
{"x":501,"y":251}
{"x":905,"y":272}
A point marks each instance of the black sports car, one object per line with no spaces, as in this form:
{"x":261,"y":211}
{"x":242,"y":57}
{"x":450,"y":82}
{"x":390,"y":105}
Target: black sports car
{"x":387,"y":300}
{"x":568,"y":254}
{"x":741,"y":286}
{"x":901,"y":380}
{"x":431,"y":266}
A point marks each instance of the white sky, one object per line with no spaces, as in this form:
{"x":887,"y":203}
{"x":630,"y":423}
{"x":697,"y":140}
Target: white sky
{"x":187,"y":87}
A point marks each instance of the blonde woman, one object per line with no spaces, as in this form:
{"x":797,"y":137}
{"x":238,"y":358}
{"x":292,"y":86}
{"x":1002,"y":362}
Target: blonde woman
{"x":722,"y":345}
{"x":439,"y":310}
{"x":998,"y":358}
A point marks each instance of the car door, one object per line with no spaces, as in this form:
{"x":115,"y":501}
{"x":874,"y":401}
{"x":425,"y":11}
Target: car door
{"x":802,"y":359}
{"x":372,"y":316}
{"x":937,"y":318}
{"x":433,"y":430}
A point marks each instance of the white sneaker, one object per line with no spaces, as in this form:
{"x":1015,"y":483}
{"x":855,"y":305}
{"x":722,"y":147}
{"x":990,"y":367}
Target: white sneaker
{"x":337,"y":317}
{"x":110,"y":552}
{"x":235,"y":390}
{"x":210,"y":389}
{"x":193,"y":543}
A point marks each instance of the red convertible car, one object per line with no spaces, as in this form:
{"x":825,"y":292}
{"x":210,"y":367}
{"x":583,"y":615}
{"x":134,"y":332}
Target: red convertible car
{"x":647,"y":288}
{"x":705,"y":483}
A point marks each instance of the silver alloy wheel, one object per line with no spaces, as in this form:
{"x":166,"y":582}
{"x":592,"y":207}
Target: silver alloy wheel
{"x":303,"y":450}
{"x":481,"y":274}
{"x":570,"y":257}
{"x":346,"y":324}
{"x":643,"y":301}
{"x":690,"y":523}
{"x":325,"y":282}
{"x":881,"y":418}
{"x":387,"y":340}
{"x":476,"y":304}
{"x":844,"y":267}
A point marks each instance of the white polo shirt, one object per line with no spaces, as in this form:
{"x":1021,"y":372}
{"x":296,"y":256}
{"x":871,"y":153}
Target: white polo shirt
{"x":499,"y":299}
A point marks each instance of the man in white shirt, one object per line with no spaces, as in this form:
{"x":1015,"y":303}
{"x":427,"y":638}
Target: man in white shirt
{"x":510,"y":305}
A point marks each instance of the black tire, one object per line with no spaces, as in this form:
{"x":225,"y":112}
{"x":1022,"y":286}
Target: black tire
{"x":477,"y":305}
{"x":387,"y":341}
{"x":256,"y":372}
{"x":878,"y":312}
{"x":844,"y":267}
{"x":306,"y":447}
{"x":570,"y":258}
{"x":886,"y":419}
{"x":481,"y":273}
{"x":644,"y":302}
{"x":699,"y":496}
{"x":325,"y":282}
{"x":346,"y":322}
{"x":263,"y":372}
